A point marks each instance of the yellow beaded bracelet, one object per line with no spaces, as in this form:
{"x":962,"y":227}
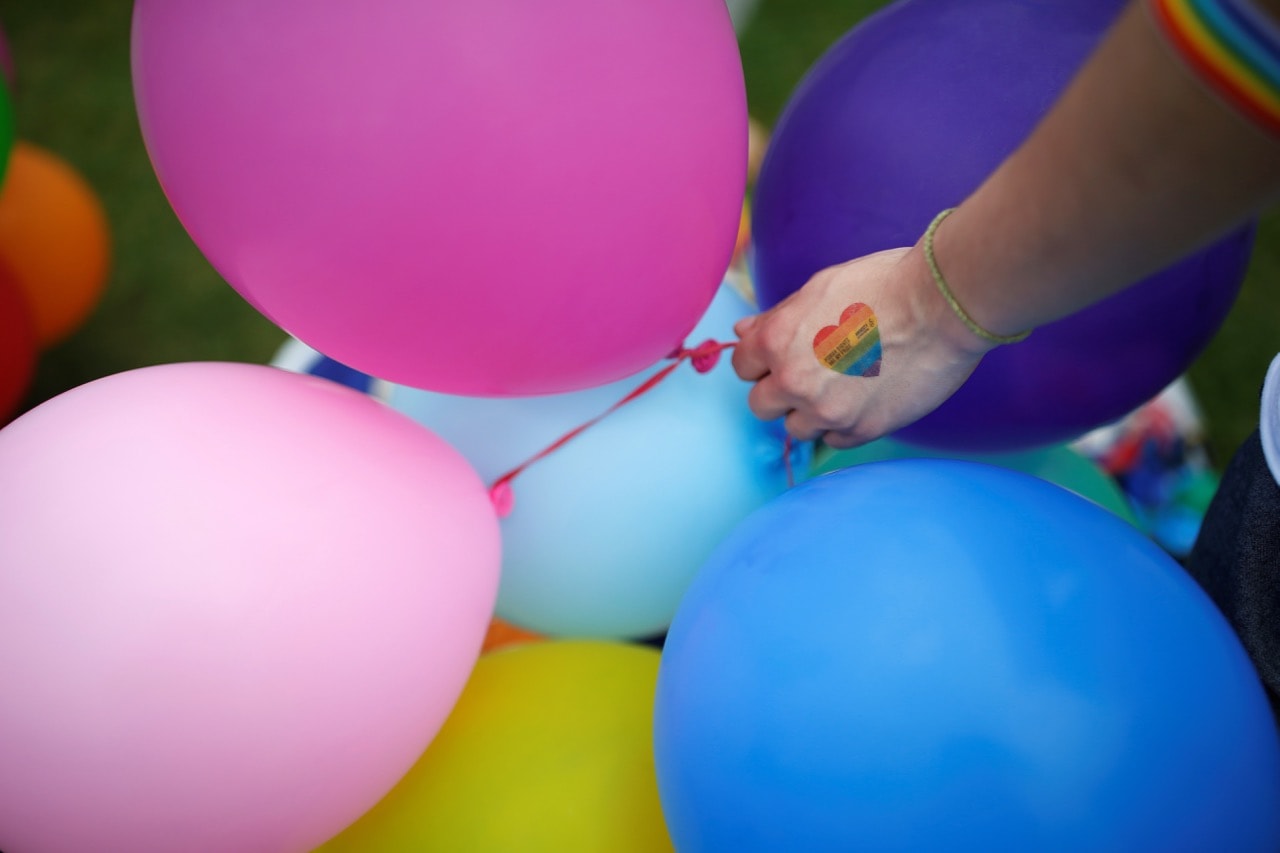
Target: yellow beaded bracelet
{"x":950,"y":297}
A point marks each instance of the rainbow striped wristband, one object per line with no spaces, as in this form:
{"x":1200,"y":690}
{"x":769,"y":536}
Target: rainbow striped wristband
{"x":1233,"y":46}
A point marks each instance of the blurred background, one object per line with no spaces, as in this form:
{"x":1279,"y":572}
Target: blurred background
{"x":164,"y":303}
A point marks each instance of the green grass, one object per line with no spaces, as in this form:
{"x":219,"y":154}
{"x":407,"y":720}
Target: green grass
{"x":164,"y":303}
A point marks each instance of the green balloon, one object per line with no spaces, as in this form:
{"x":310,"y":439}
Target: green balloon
{"x":1058,"y":464}
{"x":7,"y":130}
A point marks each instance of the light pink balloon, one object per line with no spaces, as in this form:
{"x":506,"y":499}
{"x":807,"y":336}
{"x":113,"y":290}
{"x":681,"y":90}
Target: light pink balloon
{"x":487,"y":197}
{"x":235,"y":606}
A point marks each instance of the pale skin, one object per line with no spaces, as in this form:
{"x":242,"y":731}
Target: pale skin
{"x":1137,"y":164}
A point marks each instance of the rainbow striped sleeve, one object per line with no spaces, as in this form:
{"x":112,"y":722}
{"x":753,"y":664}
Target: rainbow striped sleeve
{"x":1233,"y":46}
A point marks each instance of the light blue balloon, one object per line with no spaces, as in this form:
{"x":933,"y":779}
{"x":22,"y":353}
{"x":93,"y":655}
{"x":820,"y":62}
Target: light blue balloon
{"x":607,"y":532}
{"x":930,"y":655}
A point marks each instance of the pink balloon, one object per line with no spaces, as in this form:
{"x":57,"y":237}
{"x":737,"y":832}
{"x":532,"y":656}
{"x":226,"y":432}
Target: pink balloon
{"x":487,"y":197}
{"x":235,"y":606}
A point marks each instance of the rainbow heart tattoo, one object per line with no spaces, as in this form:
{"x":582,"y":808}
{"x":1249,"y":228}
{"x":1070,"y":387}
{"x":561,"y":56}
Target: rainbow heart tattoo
{"x":853,"y":347}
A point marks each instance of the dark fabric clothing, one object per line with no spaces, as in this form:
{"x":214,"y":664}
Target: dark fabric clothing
{"x":1236,"y":559}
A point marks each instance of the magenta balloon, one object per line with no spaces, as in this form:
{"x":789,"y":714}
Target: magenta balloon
{"x":906,"y":116}
{"x":488,"y":197}
{"x":235,"y":606}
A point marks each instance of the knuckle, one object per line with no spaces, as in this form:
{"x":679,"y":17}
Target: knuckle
{"x":792,"y":381}
{"x":773,"y":338}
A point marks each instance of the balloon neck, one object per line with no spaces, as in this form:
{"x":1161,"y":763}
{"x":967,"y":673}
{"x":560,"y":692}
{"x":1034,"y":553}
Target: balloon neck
{"x":705,"y":356}
{"x":502,"y":497}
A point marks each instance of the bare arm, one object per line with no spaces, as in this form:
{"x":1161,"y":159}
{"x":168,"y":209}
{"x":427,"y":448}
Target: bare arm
{"x":1137,"y":165}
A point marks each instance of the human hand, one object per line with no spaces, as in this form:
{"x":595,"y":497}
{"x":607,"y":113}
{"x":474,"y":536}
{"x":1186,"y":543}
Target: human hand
{"x":860,"y":350}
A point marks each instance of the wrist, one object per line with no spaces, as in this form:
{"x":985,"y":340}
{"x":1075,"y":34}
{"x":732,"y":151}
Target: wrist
{"x":933,"y":315}
{"x":981,"y":330}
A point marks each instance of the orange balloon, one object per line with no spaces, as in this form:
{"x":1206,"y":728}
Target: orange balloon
{"x":757,"y":144}
{"x":503,"y":634}
{"x":53,"y":236}
{"x":744,"y":235}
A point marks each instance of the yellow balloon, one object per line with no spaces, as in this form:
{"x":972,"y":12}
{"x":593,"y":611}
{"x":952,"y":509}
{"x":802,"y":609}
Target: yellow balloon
{"x":549,"y":749}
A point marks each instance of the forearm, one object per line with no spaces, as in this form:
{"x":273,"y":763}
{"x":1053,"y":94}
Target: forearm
{"x":1137,"y":165}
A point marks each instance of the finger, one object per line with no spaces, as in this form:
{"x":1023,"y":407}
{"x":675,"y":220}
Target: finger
{"x":802,"y":426}
{"x":768,"y":401}
{"x":750,"y":361}
{"x":744,"y":326}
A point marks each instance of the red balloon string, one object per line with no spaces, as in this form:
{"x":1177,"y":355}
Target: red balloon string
{"x":703,"y":357}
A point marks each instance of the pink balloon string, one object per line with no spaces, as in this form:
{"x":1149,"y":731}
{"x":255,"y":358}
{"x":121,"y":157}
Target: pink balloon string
{"x":703,"y":357}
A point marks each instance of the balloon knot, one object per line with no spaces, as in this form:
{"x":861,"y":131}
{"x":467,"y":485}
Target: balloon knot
{"x":706,"y":355}
{"x":503,"y":498}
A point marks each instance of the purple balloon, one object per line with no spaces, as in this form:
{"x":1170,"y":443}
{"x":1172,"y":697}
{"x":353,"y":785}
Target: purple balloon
{"x":905,"y":116}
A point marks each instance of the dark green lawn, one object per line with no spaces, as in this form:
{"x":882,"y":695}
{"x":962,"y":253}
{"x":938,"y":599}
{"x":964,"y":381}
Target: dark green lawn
{"x":164,"y":303}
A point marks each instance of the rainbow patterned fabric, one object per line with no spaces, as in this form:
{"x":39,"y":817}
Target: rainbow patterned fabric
{"x":1233,"y":46}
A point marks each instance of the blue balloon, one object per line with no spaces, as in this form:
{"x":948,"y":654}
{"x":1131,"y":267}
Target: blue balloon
{"x":941,"y":655}
{"x":608,"y":531}
{"x":293,"y":355}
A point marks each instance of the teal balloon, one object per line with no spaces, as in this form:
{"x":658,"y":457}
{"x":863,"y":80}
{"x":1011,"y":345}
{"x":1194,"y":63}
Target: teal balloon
{"x":607,"y":532}
{"x":931,"y":655}
{"x":1059,"y":465}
